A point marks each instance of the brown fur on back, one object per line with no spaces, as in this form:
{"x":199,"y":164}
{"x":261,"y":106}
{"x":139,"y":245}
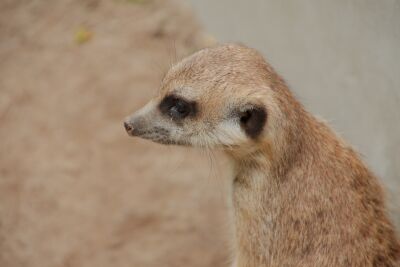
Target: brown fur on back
{"x":310,"y":201}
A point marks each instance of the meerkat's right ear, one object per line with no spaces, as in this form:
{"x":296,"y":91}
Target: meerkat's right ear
{"x":252,"y":120}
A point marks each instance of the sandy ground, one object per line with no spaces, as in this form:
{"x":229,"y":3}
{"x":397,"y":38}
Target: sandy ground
{"x":75,"y":190}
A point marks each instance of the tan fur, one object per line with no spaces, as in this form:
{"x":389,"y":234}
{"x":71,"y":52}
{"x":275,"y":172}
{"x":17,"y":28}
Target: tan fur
{"x":301,"y":195}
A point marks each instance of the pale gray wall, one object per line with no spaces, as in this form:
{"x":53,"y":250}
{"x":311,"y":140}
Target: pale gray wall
{"x":341,"y":58}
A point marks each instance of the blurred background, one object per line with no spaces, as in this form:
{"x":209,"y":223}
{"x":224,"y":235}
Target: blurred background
{"x":75,"y":190}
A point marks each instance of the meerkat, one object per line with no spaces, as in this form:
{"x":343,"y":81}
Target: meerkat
{"x":301,"y":196}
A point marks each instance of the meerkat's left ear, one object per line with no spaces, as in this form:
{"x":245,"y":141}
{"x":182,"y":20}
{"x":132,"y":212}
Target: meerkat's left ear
{"x":252,"y":120}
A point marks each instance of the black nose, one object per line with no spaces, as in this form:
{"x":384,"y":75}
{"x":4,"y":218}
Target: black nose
{"x":128,"y":127}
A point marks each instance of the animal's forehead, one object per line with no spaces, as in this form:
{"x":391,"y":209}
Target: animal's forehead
{"x":187,"y":92}
{"x":187,"y":83}
{"x":228,"y":63}
{"x":210,"y":63}
{"x":222,"y":72}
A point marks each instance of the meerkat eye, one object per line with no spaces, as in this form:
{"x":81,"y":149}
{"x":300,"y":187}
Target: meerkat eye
{"x":177,"y":108}
{"x":253,"y":120}
{"x":245,"y":116}
{"x":180,"y":110}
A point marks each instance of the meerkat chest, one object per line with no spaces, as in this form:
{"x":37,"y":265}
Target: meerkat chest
{"x":254,"y":190}
{"x":255,"y":209}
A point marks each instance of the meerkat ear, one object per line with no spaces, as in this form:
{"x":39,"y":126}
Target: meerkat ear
{"x":253,"y":120}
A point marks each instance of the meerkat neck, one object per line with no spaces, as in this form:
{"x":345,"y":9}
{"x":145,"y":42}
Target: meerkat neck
{"x":261,"y":188}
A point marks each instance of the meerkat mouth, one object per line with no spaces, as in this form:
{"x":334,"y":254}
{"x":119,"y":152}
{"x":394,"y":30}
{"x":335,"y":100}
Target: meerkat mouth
{"x":157,"y":135}
{"x":170,"y":142}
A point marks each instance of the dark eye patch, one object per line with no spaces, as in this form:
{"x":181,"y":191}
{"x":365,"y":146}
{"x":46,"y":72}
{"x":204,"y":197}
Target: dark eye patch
{"x":178,"y":108}
{"x":252,"y":120}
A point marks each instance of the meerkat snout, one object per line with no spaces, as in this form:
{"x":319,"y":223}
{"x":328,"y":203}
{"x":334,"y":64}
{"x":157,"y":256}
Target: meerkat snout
{"x":129,"y":128}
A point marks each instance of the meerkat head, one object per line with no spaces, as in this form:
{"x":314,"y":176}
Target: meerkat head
{"x":217,"y":97}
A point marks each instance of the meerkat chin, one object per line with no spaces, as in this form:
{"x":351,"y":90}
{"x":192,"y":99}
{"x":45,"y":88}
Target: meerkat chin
{"x":301,"y":195}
